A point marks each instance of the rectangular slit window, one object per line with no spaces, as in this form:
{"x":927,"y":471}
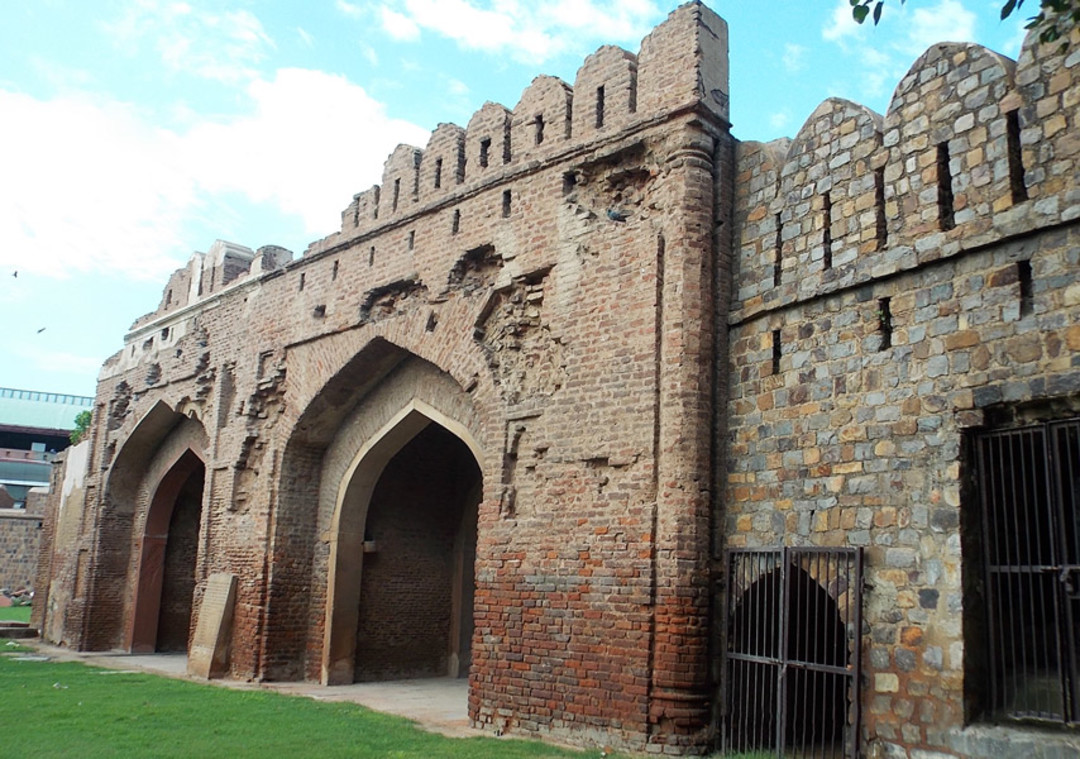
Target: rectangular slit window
{"x":302,"y":278}
{"x":506,"y":142}
{"x":881,"y":223}
{"x":884,"y":315}
{"x":371,"y":256}
{"x":397,"y":193}
{"x":334,"y":272}
{"x":506,"y":201}
{"x":599,"y":106}
{"x":412,"y":240}
{"x":1016,"y":158}
{"x":776,"y":351}
{"x":946,"y":216}
{"x":778,"y":253}
{"x":455,"y":225}
{"x":485,"y":149}
{"x":438,"y":173}
{"x":826,"y":234}
{"x":538,"y":124}
{"x":1027,"y":295}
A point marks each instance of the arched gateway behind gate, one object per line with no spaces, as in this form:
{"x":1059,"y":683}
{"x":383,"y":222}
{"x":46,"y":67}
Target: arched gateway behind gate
{"x":403,"y":546}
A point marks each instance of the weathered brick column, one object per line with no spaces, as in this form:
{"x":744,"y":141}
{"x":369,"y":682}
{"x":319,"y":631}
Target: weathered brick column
{"x":678,"y":707}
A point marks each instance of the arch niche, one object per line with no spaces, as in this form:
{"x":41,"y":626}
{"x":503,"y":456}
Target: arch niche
{"x":402,"y":551}
{"x":150,"y":535}
{"x":165,"y":584}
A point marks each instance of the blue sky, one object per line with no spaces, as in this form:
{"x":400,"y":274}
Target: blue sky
{"x":135,"y":132}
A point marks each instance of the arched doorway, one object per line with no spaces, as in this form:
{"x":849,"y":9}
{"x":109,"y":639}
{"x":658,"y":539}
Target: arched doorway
{"x":792,"y":652}
{"x":403,"y":545}
{"x":166,"y":573}
{"x":420,"y":547}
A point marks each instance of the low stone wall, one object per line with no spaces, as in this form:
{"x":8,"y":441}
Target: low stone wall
{"x":20,"y":536}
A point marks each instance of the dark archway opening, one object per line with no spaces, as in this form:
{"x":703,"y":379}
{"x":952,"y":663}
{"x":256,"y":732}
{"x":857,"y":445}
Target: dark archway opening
{"x":178,"y":581}
{"x":788,"y":653}
{"x":166,"y":575}
{"x":417,"y":584}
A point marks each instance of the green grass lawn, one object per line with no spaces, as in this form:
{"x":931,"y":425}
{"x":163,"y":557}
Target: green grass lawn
{"x":65,"y":709}
{"x":14,"y":613}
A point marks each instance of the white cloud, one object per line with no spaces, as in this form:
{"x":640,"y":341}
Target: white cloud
{"x":89,"y":185}
{"x":884,"y":53}
{"x":398,"y":26}
{"x":841,"y":24}
{"x":350,"y":9}
{"x":794,"y":57}
{"x":948,"y":21}
{"x":221,"y":46}
{"x":304,"y":166}
{"x":779,"y":120}
{"x":305,"y":36}
{"x":529,"y":32}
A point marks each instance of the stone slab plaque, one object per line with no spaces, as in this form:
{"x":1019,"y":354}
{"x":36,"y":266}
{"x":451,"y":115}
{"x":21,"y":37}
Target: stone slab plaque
{"x":209,"y":654}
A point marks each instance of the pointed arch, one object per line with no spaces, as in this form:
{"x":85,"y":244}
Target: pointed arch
{"x":347,"y":533}
{"x":150,"y":451}
{"x":143,"y":629}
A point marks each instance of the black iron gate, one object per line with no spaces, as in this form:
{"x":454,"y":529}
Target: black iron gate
{"x":792,"y":652}
{"x":1028,"y":482}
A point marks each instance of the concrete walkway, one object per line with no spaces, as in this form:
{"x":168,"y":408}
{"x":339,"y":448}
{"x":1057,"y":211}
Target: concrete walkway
{"x":439,"y":705}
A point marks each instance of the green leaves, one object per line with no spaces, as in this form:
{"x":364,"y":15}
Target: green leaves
{"x":1055,"y":21}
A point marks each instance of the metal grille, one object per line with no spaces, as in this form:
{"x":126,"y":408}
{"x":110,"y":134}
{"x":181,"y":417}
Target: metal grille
{"x":793,"y":652}
{"x":1028,"y":483}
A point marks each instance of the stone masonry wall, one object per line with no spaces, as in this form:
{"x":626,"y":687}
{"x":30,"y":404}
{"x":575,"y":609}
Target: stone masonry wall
{"x":901,"y":279}
{"x":655,"y":343}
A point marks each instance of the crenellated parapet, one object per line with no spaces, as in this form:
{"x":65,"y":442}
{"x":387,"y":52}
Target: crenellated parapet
{"x":974,"y":147}
{"x":682,"y":65}
{"x":207,"y":274}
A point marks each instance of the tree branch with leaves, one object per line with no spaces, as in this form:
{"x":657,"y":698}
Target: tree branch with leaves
{"x":1055,"y":21}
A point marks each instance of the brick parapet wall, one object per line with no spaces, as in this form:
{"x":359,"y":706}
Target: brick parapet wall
{"x":537,"y":310}
{"x":20,"y":536}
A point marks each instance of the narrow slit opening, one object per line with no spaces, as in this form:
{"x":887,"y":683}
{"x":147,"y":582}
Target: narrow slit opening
{"x":599,"y":106}
{"x":1017,"y":185}
{"x":946,"y":214}
{"x":778,"y":253}
{"x":485,"y":149}
{"x":881,"y":223}
{"x":538,"y":124}
{"x":438,"y":173}
{"x":506,"y":201}
{"x":1027,"y":293}
{"x":776,"y":350}
{"x":884,"y":323}
{"x":456,"y":224}
{"x":826,"y":234}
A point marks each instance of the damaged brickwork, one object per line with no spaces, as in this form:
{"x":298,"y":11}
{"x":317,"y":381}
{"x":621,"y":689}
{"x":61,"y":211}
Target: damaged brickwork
{"x":593,"y":342}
